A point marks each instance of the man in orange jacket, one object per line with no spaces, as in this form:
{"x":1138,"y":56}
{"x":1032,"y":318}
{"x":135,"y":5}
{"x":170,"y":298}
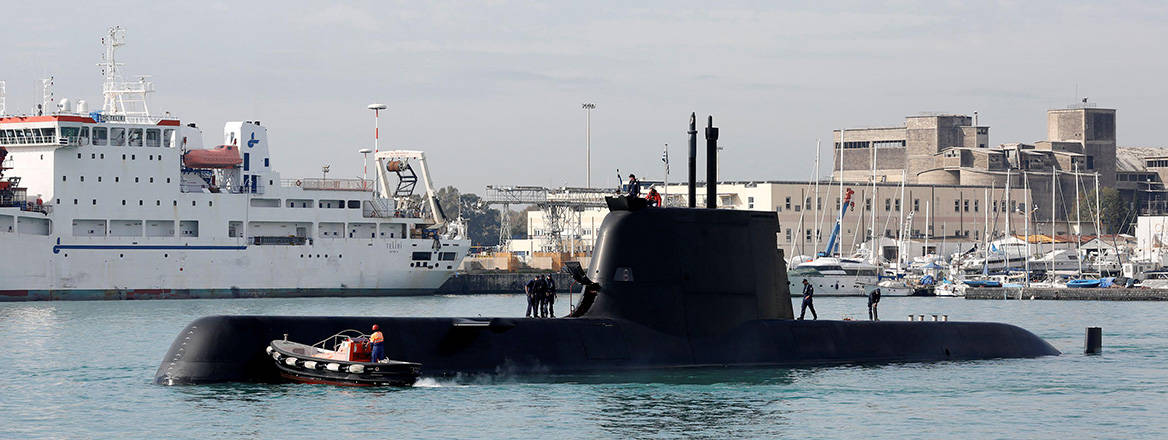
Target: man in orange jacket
{"x":377,"y":340}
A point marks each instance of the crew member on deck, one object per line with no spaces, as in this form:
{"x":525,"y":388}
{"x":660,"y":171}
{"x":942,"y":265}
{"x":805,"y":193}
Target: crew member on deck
{"x":532,"y":300}
{"x":634,"y":186}
{"x":873,"y":300}
{"x":808,"y":293}
{"x":550,"y":296}
{"x":377,"y":340}
{"x":654,"y":197}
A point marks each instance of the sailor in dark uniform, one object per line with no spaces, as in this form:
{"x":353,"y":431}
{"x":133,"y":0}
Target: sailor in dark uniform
{"x":550,"y":296}
{"x":873,"y":300}
{"x":808,"y":293}
{"x":532,"y":300}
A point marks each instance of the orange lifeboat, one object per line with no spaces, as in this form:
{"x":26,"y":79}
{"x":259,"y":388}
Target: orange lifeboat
{"x":223,"y":156}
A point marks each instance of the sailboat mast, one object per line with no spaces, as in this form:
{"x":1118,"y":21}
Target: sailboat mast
{"x":815,"y":174}
{"x":928,"y":228}
{"x":1053,"y":185}
{"x":841,"y":175}
{"x":1026,"y":198}
{"x":900,"y":230}
{"x":1078,"y":226}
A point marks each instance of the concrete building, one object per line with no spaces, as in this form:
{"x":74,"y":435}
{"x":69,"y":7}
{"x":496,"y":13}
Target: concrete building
{"x":952,"y":150}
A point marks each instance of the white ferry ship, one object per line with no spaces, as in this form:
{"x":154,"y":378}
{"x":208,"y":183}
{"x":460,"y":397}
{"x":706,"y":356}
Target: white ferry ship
{"x":123,"y":204}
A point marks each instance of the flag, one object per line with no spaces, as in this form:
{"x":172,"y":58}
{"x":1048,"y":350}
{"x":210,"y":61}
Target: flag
{"x":665,"y":157}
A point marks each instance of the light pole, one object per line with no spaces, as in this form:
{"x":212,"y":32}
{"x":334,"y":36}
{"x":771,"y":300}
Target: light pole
{"x":324,"y":169}
{"x":365,"y":170}
{"x":588,"y":107}
{"x":377,"y":108}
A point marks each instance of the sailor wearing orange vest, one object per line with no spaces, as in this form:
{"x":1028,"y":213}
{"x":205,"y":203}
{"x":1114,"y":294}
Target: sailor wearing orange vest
{"x":377,"y":339}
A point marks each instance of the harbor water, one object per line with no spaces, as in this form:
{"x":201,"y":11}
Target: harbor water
{"x":85,"y":370}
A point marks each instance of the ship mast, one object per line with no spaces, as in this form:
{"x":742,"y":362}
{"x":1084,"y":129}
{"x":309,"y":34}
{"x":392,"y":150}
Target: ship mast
{"x":121,"y":97}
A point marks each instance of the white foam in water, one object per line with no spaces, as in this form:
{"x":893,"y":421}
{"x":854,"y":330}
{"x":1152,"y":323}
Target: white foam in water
{"x":429,"y":382}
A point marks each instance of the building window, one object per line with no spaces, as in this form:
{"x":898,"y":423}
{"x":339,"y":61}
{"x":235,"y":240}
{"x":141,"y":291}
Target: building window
{"x":807,"y":203}
{"x":808,"y":236}
{"x":975,"y":205}
{"x":966,"y":205}
{"x":750,"y":202}
{"x":897,"y":205}
{"x":788,"y":234}
{"x":916,"y":204}
{"x":956,"y":206}
{"x":867,"y":204}
{"x":887,"y":204}
{"x":788,"y":203}
{"x":996,"y":206}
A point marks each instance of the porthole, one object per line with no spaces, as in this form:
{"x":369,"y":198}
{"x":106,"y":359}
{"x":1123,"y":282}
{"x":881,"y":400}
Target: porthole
{"x":93,"y":155}
{"x":135,"y":180}
{"x":117,"y":179}
{"x":151,"y":157}
{"x":82,"y":178}
{"x":139,"y":203}
{"x":99,"y":178}
{"x":192,"y":203}
{"x":157,"y":203}
{"x":210,"y":203}
{"x":123,"y":203}
{"x":165,"y":255}
{"x":94,"y":202}
{"x":103,"y":155}
{"x":167,"y":180}
{"x":151,"y":180}
{"x":74,"y":201}
{"x":176,"y":203}
{"x":121,"y":255}
{"x":132,"y":156}
{"x":78,"y":155}
{"x":123,"y":157}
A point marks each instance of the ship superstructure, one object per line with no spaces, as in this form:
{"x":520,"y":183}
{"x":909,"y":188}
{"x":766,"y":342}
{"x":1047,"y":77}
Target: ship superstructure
{"x":119,"y":203}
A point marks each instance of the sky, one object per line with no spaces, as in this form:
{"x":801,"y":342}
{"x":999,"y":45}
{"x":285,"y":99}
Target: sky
{"x":492,"y":90}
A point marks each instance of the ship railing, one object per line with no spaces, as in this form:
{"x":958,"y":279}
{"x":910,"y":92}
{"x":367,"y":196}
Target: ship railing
{"x":320,"y":184}
{"x":28,"y":139}
{"x":332,"y":342}
{"x":258,"y":188}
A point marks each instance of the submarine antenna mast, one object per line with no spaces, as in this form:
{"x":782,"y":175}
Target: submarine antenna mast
{"x":693,"y":160}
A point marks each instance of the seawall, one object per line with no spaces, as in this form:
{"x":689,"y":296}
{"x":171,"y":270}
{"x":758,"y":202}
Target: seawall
{"x":498,"y":282}
{"x":1072,"y":294}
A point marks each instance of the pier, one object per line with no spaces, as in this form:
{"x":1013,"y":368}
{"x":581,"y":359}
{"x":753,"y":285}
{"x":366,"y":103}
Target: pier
{"x":1103,"y":294}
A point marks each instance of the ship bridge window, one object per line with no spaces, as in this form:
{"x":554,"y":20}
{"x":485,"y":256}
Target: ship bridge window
{"x":153,"y":137}
{"x":354,"y":204}
{"x":100,"y":136}
{"x":447,"y":256}
{"x":135,"y":137}
{"x":118,"y":137}
{"x":168,"y":138}
{"x":421,"y":256}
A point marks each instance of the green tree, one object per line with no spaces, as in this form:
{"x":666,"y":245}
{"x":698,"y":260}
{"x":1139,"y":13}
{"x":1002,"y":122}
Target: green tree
{"x":482,"y":221}
{"x":1115,"y":213}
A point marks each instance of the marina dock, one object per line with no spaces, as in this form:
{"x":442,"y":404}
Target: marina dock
{"x":1105,"y":294}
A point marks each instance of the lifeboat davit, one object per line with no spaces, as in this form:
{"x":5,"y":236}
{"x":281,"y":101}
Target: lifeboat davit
{"x":348,"y":364}
{"x":223,"y":156}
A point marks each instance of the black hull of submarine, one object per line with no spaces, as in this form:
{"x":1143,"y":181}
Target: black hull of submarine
{"x":231,"y":348}
{"x":673,"y":288}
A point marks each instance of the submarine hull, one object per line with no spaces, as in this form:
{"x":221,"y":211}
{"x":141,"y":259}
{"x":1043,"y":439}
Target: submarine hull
{"x":231,"y":348}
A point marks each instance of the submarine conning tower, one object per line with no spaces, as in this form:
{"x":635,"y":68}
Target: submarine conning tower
{"x":688,"y":271}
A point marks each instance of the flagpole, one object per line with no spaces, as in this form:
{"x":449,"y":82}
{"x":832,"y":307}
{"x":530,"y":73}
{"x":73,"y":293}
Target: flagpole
{"x":665,"y":158}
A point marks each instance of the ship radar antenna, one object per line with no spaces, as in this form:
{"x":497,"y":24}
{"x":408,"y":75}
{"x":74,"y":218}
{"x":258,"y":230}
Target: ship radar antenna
{"x":121,"y":97}
{"x":46,"y":94}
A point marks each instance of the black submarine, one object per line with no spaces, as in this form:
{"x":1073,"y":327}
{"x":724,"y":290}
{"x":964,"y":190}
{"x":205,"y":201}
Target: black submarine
{"x":666,"y":288}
